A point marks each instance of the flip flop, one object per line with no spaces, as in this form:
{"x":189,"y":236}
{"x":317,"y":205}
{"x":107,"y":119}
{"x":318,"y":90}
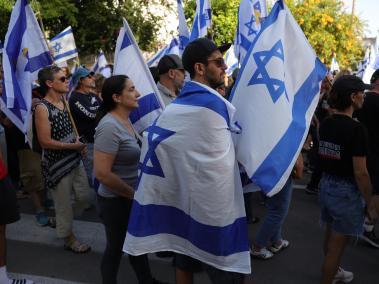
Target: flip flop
{"x":77,"y":247}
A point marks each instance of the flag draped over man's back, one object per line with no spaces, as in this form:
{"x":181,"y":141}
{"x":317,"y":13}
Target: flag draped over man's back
{"x":275,"y":96}
{"x":250,"y":13}
{"x":63,"y":46}
{"x":25,"y":53}
{"x":202,"y":20}
{"x":189,"y":198}
{"x":129,"y":61}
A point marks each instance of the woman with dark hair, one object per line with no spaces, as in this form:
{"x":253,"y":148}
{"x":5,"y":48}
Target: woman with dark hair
{"x":345,"y":180}
{"x":116,"y":158}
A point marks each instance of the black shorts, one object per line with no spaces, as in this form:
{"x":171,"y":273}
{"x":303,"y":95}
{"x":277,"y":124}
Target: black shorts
{"x":8,"y":202}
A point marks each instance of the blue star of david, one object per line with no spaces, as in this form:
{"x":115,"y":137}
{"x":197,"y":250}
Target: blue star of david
{"x":275,"y":87}
{"x":57,"y":47}
{"x":155,"y":136}
{"x":250,"y":24}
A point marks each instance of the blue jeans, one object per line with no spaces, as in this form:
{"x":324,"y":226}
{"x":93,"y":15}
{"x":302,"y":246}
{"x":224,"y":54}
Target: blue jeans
{"x":342,"y":206}
{"x":277,"y":206}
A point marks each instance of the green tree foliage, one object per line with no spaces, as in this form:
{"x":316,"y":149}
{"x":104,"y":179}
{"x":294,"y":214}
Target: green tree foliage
{"x":96,"y":23}
{"x":330,"y":30}
{"x":224,"y":18}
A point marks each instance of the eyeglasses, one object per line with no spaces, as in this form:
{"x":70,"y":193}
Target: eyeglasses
{"x":220,"y":62}
{"x":62,"y":79}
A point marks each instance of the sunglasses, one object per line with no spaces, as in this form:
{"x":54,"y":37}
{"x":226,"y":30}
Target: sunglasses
{"x":62,"y":79}
{"x":220,"y":62}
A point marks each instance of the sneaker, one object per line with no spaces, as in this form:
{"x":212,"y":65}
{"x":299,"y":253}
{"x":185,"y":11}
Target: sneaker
{"x":343,"y":276}
{"x":262,"y":253}
{"x":370,"y":238}
{"x":277,"y":248}
{"x":42,"y":219}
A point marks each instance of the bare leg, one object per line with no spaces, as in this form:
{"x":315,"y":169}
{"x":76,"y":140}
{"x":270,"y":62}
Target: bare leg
{"x":183,"y":276}
{"x":334,"y":247}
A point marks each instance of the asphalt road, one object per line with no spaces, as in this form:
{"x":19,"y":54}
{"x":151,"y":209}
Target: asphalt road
{"x":35,"y":252}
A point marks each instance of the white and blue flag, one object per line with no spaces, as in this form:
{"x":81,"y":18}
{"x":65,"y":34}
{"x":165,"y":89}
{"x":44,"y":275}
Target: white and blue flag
{"x":172,"y":48}
{"x":25,"y":53}
{"x":63,"y":46}
{"x":184,"y":34}
{"x":334,"y":66}
{"x":371,"y":64}
{"x":250,"y":14}
{"x":101,"y":65}
{"x":231,"y":61}
{"x":129,"y":61}
{"x":189,"y":196}
{"x":276,"y":94}
{"x":202,"y":20}
{"x":362,"y":65}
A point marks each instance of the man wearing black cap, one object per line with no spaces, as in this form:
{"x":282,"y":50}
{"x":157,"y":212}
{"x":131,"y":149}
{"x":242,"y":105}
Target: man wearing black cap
{"x":369,"y":116}
{"x":171,"y":77}
{"x":345,"y":180}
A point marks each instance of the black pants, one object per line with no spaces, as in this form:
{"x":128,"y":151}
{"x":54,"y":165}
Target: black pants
{"x":114,"y":213}
{"x":373,"y":169}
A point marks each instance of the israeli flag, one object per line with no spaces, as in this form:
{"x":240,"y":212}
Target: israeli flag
{"x":334,"y":66}
{"x":63,"y":46}
{"x":203,"y":19}
{"x":370,"y":69}
{"x":129,"y":61}
{"x":101,"y":65}
{"x":231,"y":61}
{"x":276,"y":94}
{"x":172,"y":48}
{"x":362,"y":65}
{"x":250,"y":14}
{"x":25,"y":53}
{"x":189,"y":198}
{"x":184,"y":34}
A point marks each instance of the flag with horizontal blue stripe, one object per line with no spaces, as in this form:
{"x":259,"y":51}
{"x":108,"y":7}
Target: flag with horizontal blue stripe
{"x":63,"y":46}
{"x":362,"y":65}
{"x":101,"y":65}
{"x":25,"y":53}
{"x":202,"y":20}
{"x":334,"y":66}
{"x":184,"y":34}
{"x":189,"y":197}
{"x":171,"y":48}
{"x":276,"y":94}
{"x":231,"y":61}
{"x":129,"y":61}
{"x":250,"y":15}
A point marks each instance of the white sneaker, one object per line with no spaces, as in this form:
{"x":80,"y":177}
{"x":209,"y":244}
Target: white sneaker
{"x":262,"y":253}
{"x":343,"y":276}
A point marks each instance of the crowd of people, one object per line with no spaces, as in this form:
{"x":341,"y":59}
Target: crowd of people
{"x":87,"y":150}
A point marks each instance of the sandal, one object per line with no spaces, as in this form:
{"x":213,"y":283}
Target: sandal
{"x":77,"y":247}
{"x":278,"y":247}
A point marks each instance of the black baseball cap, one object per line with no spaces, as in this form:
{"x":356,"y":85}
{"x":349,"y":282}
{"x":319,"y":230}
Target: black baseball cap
{"x":349,"y":83}
{"x":375,"y":76}
{"x":199,"y":50}
{"x":169,"y":61}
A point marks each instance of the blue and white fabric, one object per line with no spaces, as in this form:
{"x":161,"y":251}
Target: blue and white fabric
{"x":129,"y":61}
{"x":334,"y":66}
{"x":231,"y":61}
{"x":25,"y":53}
{"x":202,"y":20}
{"x":184,"y":34}
{"x":362,"y":65}
{"x":63,"y":46}
{"x":372,"y":65}
{"x":101,"y":65}
{"x":189,"y":198}
{"x":250,"y":15}
{"x":172,"y":48}
{"x":275,"y":95}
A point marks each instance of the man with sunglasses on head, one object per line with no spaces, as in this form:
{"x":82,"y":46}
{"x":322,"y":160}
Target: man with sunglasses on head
{"x":84,"y":105}
{"x":62,"y":168}
{"x":171,"y":77}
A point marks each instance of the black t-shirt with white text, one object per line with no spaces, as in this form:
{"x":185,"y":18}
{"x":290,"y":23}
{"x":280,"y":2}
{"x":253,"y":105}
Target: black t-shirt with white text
{"x":341,"y":139}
